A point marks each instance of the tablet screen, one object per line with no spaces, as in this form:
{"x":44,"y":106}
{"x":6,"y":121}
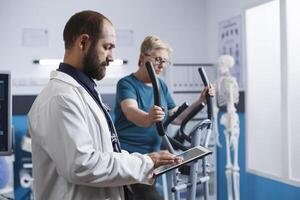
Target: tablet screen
{"x":187,"y":156}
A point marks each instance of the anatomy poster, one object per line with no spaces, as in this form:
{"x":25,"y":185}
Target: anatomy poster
{"x":230,"y":42}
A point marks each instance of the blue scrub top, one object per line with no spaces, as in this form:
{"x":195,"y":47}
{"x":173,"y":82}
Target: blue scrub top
{"x":132,"y":137}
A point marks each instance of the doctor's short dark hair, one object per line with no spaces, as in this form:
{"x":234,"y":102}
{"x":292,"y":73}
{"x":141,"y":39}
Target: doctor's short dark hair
{"x":84,"y":22}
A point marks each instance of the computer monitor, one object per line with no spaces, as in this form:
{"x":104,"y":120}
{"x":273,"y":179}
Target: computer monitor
{"x":5,"y":114}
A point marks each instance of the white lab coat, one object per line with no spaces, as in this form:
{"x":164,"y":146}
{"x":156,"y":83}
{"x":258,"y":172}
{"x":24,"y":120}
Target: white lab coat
{"x":72,"y":154}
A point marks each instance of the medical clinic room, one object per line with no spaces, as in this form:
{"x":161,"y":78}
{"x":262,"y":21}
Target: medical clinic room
{"x":149,"y":100}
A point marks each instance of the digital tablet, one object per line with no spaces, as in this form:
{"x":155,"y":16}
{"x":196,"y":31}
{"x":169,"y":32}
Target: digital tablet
{"x":187,"y":156}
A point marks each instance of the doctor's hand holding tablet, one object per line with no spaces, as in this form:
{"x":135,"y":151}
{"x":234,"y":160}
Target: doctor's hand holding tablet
{"x":164,"y":158}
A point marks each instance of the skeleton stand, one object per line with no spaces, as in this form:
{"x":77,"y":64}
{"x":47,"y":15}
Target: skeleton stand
{"x":227,"y":95}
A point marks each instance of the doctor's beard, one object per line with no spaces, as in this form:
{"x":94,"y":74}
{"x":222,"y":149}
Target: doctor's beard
{"x":92,"y":66}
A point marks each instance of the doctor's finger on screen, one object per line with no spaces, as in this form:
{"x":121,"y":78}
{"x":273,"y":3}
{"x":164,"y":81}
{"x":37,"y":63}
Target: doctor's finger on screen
{"x":164,"y":158}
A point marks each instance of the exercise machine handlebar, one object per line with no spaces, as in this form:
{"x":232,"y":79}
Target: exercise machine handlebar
{"x":208,"y":97}
{"x":175,"y":115}
{"x":199,"y":107}
{"x":159,"y":126}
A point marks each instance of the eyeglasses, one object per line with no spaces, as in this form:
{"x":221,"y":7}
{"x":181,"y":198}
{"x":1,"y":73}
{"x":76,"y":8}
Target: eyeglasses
{"x":159,"y":61}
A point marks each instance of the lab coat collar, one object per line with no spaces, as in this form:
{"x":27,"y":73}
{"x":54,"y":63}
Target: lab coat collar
{"x":78,"y":75}
{"x":61,"y":76}
{"x":64,"y":77}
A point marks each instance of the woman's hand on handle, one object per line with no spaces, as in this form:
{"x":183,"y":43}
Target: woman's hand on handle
{"x":156,"y":114}
{"x":208,"y":90}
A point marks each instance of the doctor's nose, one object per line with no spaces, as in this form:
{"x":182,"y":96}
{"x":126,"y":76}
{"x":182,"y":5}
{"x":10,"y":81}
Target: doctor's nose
{"x":109,"y":58}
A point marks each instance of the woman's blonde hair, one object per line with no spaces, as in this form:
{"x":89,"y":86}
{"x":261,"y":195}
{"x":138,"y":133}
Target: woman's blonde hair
{"x":153,"y":42}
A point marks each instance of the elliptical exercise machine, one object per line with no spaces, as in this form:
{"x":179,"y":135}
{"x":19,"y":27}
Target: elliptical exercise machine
{"x":193,"y":138}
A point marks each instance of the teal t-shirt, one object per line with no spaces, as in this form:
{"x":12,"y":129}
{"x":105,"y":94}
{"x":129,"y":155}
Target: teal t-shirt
{"x":132,"y":137}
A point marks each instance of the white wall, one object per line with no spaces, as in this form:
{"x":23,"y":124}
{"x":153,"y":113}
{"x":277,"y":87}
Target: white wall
{"x":178,"y":22}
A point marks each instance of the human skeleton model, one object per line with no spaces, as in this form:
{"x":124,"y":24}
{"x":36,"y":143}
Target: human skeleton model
{"x":227,"y":94}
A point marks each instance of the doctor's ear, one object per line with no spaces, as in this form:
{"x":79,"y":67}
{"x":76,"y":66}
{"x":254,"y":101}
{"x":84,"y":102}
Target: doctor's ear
{"x":84,"y":40}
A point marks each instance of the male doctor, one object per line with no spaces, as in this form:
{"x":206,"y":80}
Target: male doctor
{"x":75,"y":149}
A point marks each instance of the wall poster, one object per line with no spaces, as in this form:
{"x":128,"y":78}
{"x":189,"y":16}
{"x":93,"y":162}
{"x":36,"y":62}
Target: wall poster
{"x":230,"y":42}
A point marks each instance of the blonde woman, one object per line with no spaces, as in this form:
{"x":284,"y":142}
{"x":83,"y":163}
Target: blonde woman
{"x":135,"y":114}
